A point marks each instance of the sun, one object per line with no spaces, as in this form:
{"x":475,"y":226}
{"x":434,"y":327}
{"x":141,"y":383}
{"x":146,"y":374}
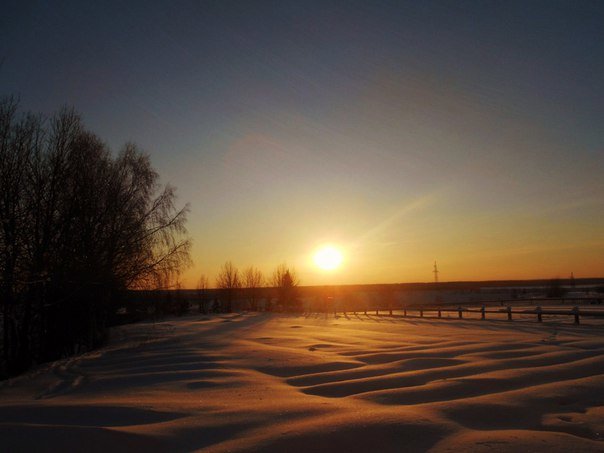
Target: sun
{"x":328,"y":258}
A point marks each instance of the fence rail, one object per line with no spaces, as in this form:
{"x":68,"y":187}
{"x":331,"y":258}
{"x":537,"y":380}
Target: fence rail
{"x":539,"y":312}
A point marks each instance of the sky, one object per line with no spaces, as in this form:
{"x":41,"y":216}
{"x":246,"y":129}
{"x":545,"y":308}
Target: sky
{"x":470,"y":133}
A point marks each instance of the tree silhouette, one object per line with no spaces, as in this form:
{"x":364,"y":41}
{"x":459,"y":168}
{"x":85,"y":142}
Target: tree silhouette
{"x":286,"y":282}
{"x":202,"y":294}
{"x":229,"y":281}
{"x":253,"y":281}
{"x":77,"y":226}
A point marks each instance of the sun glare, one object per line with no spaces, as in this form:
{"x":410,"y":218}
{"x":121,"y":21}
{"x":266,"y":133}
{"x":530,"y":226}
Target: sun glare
{"x":328,"y":258}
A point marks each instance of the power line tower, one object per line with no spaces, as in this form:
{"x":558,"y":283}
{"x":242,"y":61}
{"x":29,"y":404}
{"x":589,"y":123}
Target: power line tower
{"x":435,"y":272}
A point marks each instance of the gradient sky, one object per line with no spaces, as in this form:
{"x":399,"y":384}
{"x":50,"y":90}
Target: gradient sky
{"x":471,"y":133}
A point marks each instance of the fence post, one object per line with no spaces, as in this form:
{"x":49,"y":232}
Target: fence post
{"x":421,"y":313}
{"x":459,"y":312}
{"x":439,"y":315}
{"x":405,"y":312}
{"x":576,"y":313}
{"x":377,"y":312}
{"x":390,"y":311}
{"x":509,"y":313}
{"x":539,"y":316}
{"x":482,"y":312}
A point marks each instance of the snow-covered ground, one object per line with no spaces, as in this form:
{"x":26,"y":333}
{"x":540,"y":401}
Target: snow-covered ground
{"x":292,"y":383}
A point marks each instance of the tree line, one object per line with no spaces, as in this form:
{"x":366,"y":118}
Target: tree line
{"x":231,"y":281}
{"x":78,"y":225}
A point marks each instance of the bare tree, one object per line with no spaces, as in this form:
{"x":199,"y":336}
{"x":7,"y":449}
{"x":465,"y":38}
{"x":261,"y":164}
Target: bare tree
{"x":155,"y":246}
{"x":76,"y":227}
{"x":202,"y":293}
{"x":286,"y":282}
{"x":14,"y":155}
{"x":229,"y":281}
{"x":253,"y":280}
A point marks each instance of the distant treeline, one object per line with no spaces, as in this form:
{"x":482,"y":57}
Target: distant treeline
{"x":258,"y":294}
{"x":251,"y":286}
{"x":77,"y":227}
{"x":236,"y":290}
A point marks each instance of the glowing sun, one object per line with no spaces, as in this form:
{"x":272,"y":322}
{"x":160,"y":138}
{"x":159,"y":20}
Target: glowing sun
{"x":328,"y":258}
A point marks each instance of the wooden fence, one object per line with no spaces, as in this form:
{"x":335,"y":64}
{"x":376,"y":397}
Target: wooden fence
{"x":509,"y":312}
